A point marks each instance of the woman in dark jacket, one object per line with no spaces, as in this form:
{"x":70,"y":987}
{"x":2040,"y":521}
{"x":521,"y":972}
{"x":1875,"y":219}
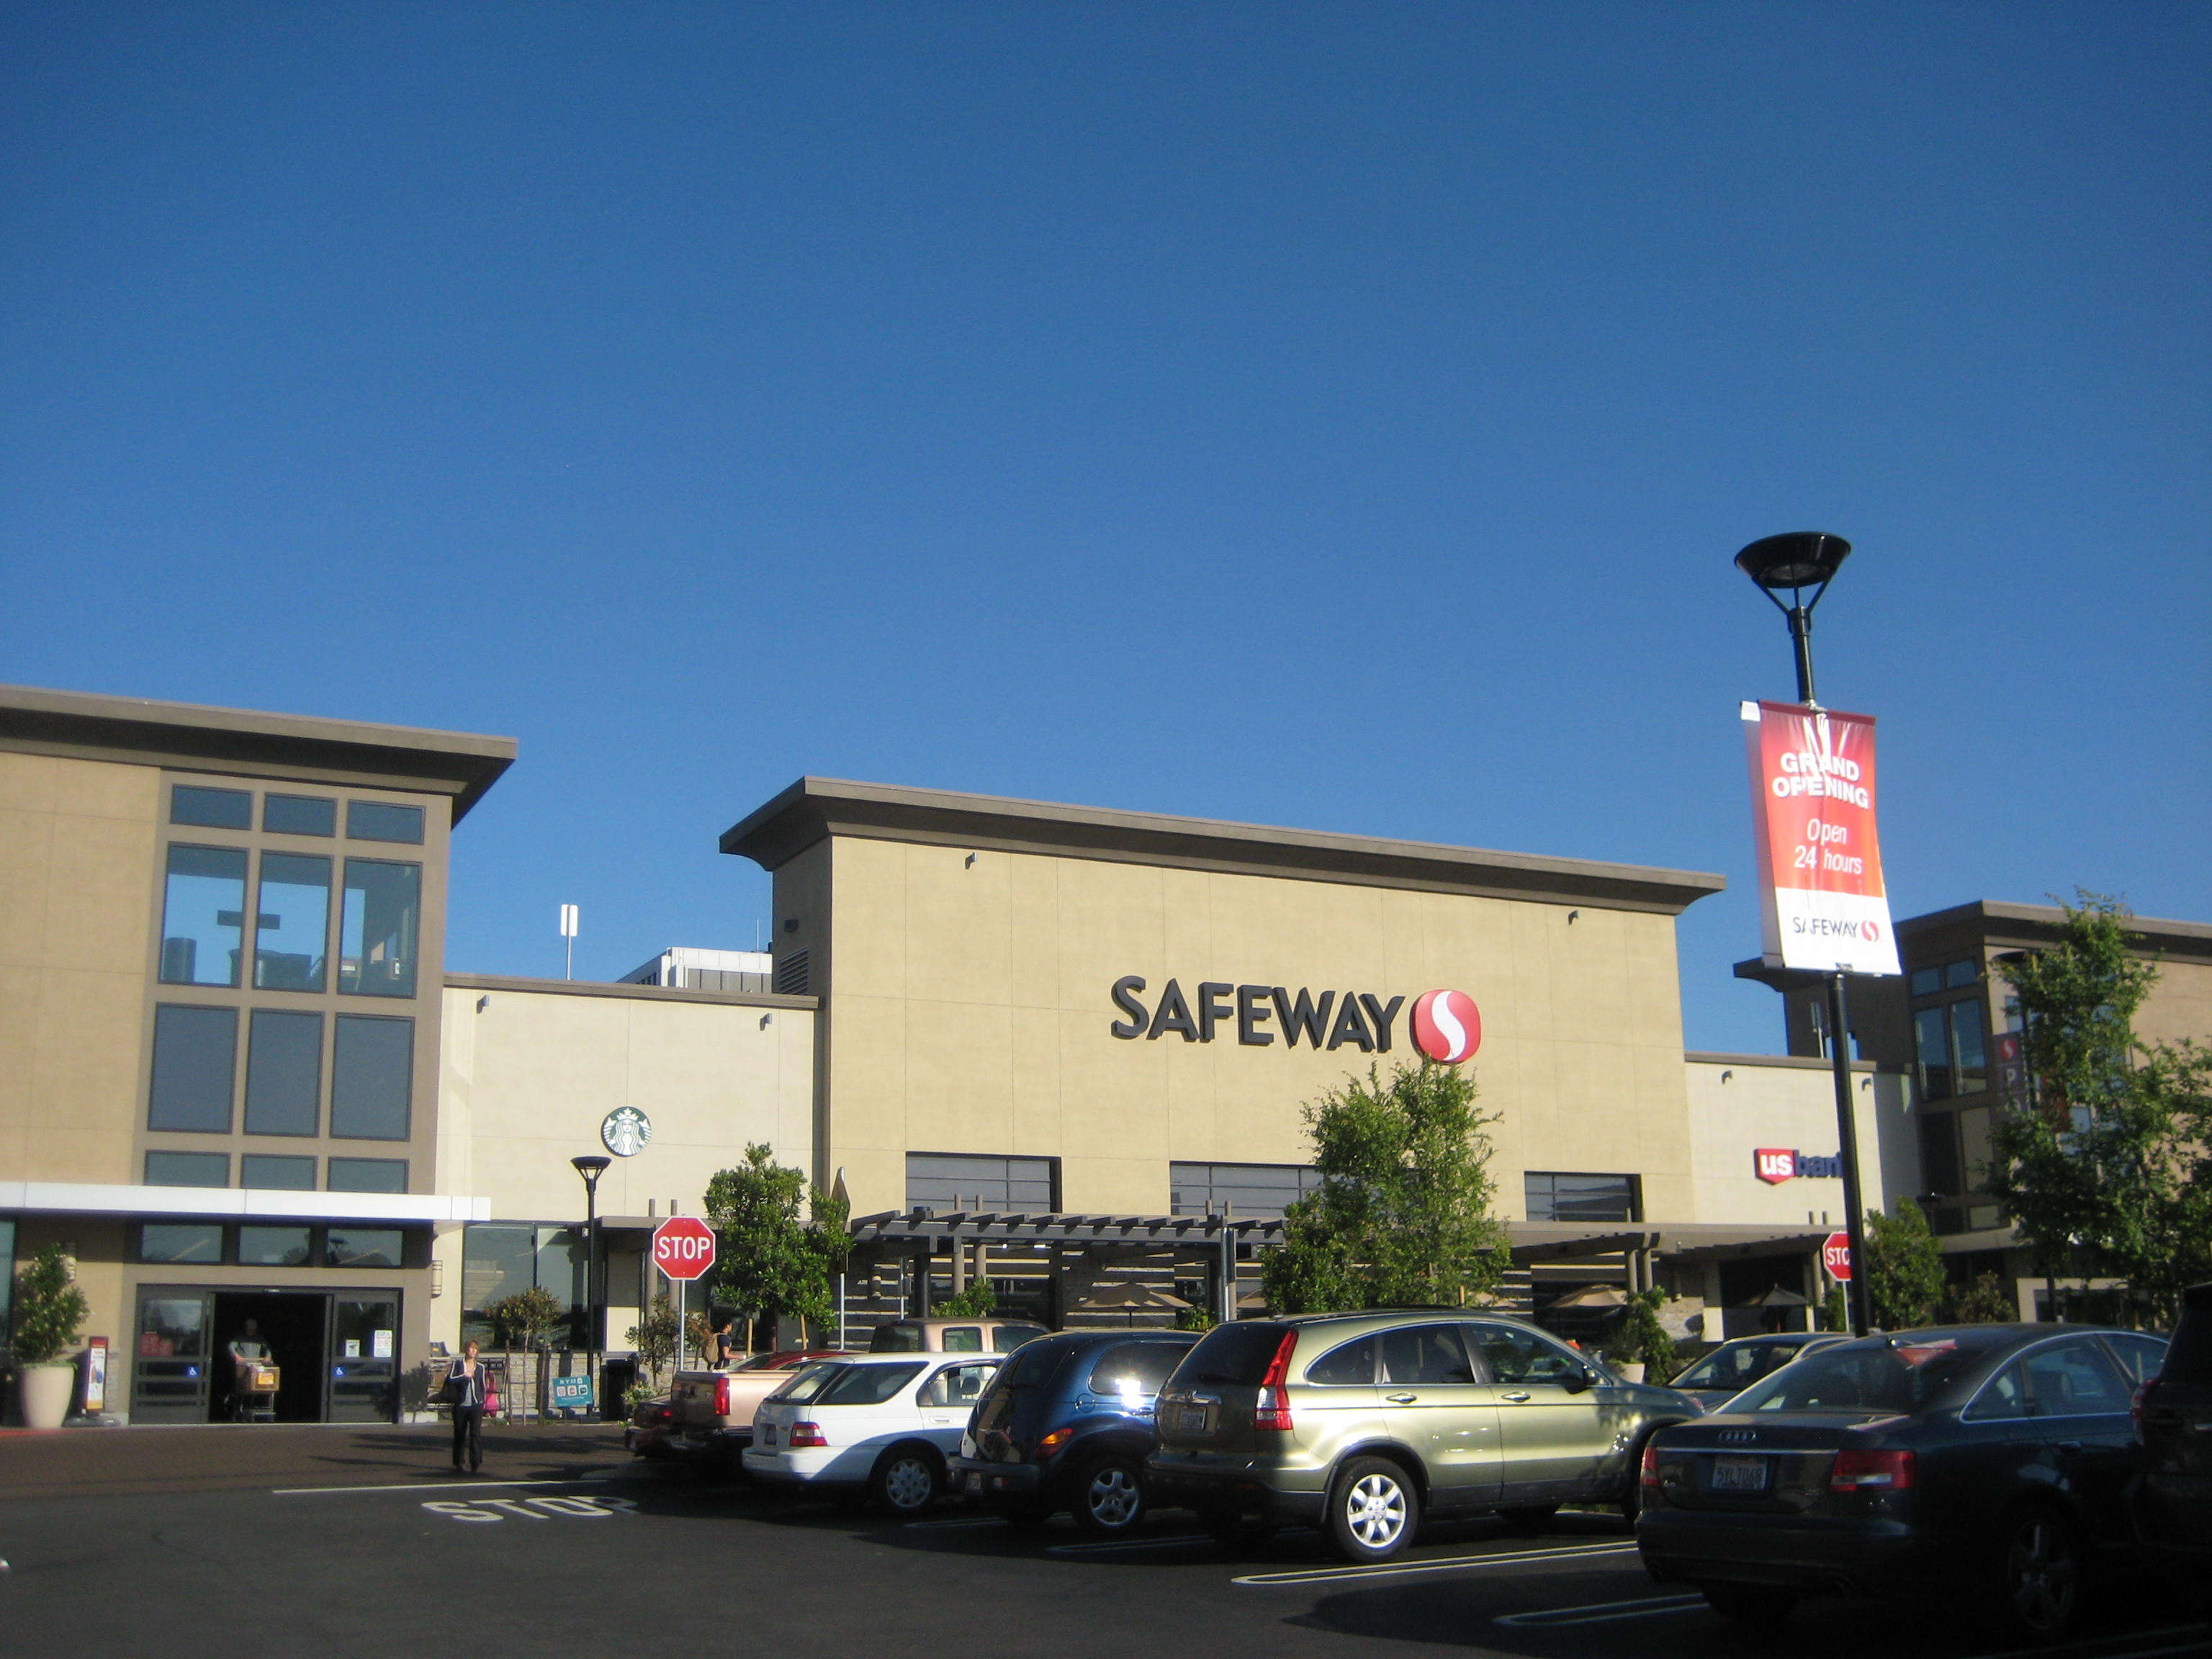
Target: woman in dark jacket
{"x":465,"y":1386}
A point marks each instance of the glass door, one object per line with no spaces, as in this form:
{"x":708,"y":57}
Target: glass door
{"x":169,"y":1361}
{"x":364,"y":1360}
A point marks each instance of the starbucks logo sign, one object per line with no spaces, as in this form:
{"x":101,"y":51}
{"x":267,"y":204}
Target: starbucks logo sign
{"x":625,"y":1130}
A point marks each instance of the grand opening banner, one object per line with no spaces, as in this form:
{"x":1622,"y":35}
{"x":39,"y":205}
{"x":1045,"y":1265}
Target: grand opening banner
{"x":1822,"y":905}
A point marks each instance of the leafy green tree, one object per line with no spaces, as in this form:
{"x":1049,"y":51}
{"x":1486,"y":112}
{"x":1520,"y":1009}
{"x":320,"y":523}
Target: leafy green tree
{"x":526,"y":1318}
{"x":1986,"y":1301}
{"x":1642,"y":1340}
{"x":978,"y":1301}
{"x":1195,"y":1318}
{"x":2111,"y":1172}
{"x":1905,"y":1270}
{"x":1402,"y":1216}
{"x":774,"y":1261}
{"x":50,"y":1309}
{"x":1835,"y":1310}
{"x":654,"y":1336}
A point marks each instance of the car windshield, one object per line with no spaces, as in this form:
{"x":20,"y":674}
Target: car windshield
{"x":1898,"y":1375}
{"x":1739,"y":1365}
{"x":804,"y":1384}
{"x":869,"y":1385}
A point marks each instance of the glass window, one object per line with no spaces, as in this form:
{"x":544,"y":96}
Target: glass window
{"x":1960,"y":973}
{"x":368,"y":1175}
{"x":198,"y":1243}
{"x":2140,"y":1356}
{"x":945,"y":1182}
{"x":378,"y":820}
{"x":172,"y":1328}
{"x":1939,"y":1154}
{"x":213,"y":809}
{"x":363,"y":1247}
{"x":195,"y":1068}
{"x":1131,"y":1371}
{"x":272,"y":1174}
{"x":8,"y":1262}
{"x":1737,"y":1365}
{"x":377,"y":934}
{"x":372,"y":1078}
{"x":283,"y":1074}
{"x":204,"y":915}
{"x":961,"y":1338}
{"x":1931,"y":1035}
{"x":188,"y":1169}
{"x":299,"y":815}
{"x":1873,"y":1376}
{"x":274,"y":1247}
{"x":1584,"y":1197}
{"x":1514,"y":1357}
{"x":2003,"y":1399}
{"x":1926,"y":981}
{"x":1426,"y":1353}
{"x":2074,"y":1379}
{"x":496,"y":1261}
{"x":869,"y":1385}
{"x":291,"y":928}
{"x":1970,"y":1049}
{"x":808,"y":1382}
{"x":1004,"y":1339}
{"x":1350,"y":1364}
{"x":957,"y":1385}
{"x":1249,"y":1189}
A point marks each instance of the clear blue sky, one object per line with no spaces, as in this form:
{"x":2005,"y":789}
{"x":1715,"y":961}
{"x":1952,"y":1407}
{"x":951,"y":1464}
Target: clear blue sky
{"x":1340,"y":416}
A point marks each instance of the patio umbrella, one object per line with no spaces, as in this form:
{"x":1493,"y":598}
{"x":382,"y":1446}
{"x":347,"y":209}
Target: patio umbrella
{"x":1777,"y":1296}
{"x":1595,"y":1295}
{"x":1131,"y":1299}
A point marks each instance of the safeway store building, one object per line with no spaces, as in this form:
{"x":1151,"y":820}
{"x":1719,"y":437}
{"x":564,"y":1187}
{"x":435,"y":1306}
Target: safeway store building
{"x":1060,"y":1048}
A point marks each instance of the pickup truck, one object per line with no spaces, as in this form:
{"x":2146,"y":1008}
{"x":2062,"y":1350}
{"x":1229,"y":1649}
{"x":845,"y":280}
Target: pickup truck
{"x":712,"y":1410}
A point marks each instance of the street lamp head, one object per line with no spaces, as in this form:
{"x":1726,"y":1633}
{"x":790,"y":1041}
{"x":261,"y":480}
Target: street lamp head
{"x":1800,"y":558}
{"x":590,"y":1166}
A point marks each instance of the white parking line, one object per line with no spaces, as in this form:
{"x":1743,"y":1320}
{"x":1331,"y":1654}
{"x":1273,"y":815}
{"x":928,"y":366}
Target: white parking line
{"x":2080,"y":1650}
{"x":1112,"y":1546}
{"x":1602,"y":1613}
{"x":1447,"y":1563}
{"x":414,"y":1486}
{"x":958,"y":1522}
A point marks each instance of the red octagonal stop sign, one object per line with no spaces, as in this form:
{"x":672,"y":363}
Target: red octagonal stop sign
{"x":1836,"y":1254}
{"x":683,"y":1246}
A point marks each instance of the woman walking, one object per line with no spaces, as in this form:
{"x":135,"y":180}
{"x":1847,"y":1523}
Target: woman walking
{"x":464,"y":1388}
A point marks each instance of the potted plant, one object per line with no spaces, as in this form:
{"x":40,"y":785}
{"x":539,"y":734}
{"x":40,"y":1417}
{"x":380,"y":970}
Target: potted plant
{"x":50,"y":1312}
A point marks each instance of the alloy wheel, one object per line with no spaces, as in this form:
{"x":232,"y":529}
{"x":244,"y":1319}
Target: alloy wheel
{"x":1375,"y":1510}
{"x":2042,"y":1575}
{"x":1112,"y":1497}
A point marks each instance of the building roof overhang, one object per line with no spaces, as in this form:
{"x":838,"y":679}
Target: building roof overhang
{"x":83,"y":725}
{"x":815,"y":809}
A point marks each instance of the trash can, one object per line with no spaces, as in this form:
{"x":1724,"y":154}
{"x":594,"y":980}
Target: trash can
{"x":616,"y":1377}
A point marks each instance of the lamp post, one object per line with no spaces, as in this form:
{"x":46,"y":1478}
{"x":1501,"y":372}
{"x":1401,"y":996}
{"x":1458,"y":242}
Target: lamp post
{"x":1797,"y":560}
{"x":592,"y":1166}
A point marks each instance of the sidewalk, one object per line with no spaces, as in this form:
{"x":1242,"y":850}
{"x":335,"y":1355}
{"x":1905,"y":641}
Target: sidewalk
{"x":89,"y":1463}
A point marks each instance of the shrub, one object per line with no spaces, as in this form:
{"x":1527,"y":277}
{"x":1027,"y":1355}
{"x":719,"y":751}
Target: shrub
{"x":50,"y":1309}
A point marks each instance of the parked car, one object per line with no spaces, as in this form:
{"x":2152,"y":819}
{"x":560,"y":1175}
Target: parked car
{"x":1361,"y":1423}
{"x":1992,"y":1457}
{"x":1729,"y":1369}
{"x":712,"y":1410}
{"x":882,"y":1425}
{"x":646,"y":1434}
{"x":2171,"y":1502}
{"x":954,"y":1336}
{"x":1066,"y":1424}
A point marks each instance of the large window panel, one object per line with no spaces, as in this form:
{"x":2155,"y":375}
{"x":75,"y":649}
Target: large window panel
{"x":211,"y":809}
{"x":1932,"y":1038}
{"x":1939,"y":1174}
{"x":378,"y":820}
{"x":944,"y":1182}
{"x":299,"y":815}
{"x":275,"y":1247}
{"x":188,"y":1169}
{"x":1970,"y":1047}
{"x":283,"y":1074}
{"x":378,"y":937}
{"x":195,"y":1069}
{"x":292,"y":930}
{"x":368,"y":1175}
{"x":204,"y":915}
{"x":184,"y":1243}
{"x":363,"y":1247}
{"x":276,"y":1173}
{"x":1248,"y":1189}
{"x":1567,"y":1196}
{"x":372,"y":1078}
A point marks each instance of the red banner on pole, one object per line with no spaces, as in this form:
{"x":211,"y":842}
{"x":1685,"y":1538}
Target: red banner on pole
{"x":1822,"y":905}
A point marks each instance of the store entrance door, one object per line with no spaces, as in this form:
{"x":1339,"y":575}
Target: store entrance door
{"x":294,"y":1327}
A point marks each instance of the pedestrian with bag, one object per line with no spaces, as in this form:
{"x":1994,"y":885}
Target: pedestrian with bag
{"x":468,"y":1389}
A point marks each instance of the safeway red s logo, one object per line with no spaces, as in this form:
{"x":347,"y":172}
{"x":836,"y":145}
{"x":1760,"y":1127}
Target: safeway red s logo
{"x":1447,"y":1025}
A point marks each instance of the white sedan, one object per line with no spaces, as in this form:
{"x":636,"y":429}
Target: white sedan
{"x":883,"y":1424}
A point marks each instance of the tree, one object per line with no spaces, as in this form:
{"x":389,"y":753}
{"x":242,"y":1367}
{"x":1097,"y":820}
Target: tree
{"x":50,"y":1309}
{"x":1905,"y":1270}
{"x":1402,"y":1214}
{"x":1986,"y":1301}
{"x":978,"y":1301}
{"x":526,"y":1318}
{"x":2109,"y":1171}
{"x":774,"y":1263}
{"x":1643,"y":1339}
{"x":654,"y":1336}
{"x":1836,"y":1311}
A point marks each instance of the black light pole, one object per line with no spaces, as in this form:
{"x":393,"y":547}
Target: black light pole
{"x":1797,"y":560}
{"x":590,"y":1166}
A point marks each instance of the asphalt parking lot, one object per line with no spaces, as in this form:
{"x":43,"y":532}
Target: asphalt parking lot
{"x":347,"y":1541}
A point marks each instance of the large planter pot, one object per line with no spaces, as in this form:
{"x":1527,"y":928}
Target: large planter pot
{"x":47,"y":1391}
{"x":1632,"y":1371}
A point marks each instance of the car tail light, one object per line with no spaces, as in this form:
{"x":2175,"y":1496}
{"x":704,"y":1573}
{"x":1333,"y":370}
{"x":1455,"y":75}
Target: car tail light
{"x":1871,"y":1471}
{"x":806,"y":1434}
{"x":1648,"y":1476}
{"x":1052,"y":1442}
{"x":1273,"y":1410}
{"x":722,"y":1396}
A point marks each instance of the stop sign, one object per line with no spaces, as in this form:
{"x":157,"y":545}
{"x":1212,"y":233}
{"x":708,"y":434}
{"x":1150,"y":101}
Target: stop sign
{"x":683,"y":1246}
{"x":1836,"y":1254}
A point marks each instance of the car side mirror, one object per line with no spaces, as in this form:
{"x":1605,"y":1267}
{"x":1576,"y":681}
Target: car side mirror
{"x":1578,"y":1381}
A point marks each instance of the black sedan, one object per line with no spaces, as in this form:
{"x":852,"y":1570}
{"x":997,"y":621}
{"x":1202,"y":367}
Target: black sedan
{"x":1066,"y":1424}
{"x":1990,"y":1457}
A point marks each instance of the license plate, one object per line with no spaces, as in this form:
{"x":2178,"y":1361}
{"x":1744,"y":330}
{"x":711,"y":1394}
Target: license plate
{"x":767,"y":1435}
{"x":1739,"y":1474}
{"x":974,"y":1483}
{"x":1191,"y":1419}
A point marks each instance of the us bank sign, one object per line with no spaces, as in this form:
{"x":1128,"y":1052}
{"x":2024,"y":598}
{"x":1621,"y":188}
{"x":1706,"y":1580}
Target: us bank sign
{"x":1444,"y":1026}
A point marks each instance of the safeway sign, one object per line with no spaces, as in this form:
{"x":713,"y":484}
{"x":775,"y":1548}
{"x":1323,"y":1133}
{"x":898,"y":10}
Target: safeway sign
{"x":1822,"y":904}
{"x":1836,"y":1254}
{"x":683,"y":1246}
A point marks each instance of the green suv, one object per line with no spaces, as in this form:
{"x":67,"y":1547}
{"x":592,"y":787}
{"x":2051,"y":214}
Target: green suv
{"x":1361,"y":1423}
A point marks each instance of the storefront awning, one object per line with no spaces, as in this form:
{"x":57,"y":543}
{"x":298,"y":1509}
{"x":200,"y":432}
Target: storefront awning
{"x":1012,"y":1227}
